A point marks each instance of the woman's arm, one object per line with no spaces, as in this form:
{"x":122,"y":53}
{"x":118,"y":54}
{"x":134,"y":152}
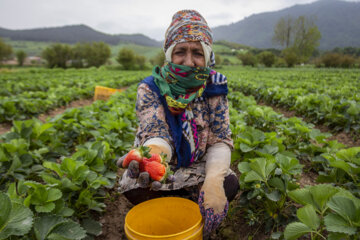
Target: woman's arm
{"x":218,"y":154}
{"x":153,"y":131}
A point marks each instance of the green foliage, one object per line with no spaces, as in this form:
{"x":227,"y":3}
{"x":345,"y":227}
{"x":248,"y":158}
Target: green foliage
{"x":300,"y":35}
{"x":20,"y":56}
{"x":68,"y":164}
{"x":218,"y":60}
{"x":247,"y":59}
{"x":21,"y":97}
{"x":159,"y":59}
{"x":343,"y":168}
{"x":267,"y":58}
{"x":57,"y":55}
{"x":126,"y":58}
{"x":336,"y":60}
{"x":97,"y":54}
{"x":42,"y":196}
{"x":129,"y":60}
{"x":325,"y":208}
{"x":15,"y":219}
{"x":55,"y":227}
{"x":290,"y":57}
{"x":140,"y":61}
{"x":283,"y":31}
{"x":5,"y":50}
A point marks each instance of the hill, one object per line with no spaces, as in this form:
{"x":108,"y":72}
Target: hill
{"x":74,"y":34}
{"x":338,"y":22}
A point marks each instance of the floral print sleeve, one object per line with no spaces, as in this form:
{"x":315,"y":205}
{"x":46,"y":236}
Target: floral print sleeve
{"x":219,"y":121}
{"x":151,"y":115}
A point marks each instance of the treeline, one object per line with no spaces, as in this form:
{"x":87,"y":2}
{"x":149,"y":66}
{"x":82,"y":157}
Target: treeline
{"x":84,"y":55}
{"x":94,"y":54}
{"x":6,"y":52}
{"x":300,"y":39}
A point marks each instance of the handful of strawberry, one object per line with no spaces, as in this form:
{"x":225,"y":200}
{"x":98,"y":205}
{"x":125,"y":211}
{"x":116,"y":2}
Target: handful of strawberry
{"x":142,"y":164}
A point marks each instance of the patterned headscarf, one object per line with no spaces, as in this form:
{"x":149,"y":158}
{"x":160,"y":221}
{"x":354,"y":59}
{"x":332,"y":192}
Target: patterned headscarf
{"x":187,"y":26}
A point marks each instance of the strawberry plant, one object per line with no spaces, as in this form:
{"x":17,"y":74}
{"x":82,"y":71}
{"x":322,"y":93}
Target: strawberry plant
{"x":343,"y":168}
{"x":328,"y":213}
{"x":15,"y":218}
{"x":266,"y":183}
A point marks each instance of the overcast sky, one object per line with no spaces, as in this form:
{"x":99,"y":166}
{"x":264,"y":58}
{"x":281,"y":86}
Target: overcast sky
{"x":150,"y":17}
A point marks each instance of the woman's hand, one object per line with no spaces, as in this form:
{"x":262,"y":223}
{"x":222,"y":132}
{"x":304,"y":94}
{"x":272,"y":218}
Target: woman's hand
{"x":212,"y":219}
{"x":149,"y":170}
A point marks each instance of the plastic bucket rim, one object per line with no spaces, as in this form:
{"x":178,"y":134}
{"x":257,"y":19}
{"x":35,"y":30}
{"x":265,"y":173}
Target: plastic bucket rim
{"x":164,"y":236}
{"x":167,"y":236}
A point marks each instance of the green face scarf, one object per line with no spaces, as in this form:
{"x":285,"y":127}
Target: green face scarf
{"x":180,"y":84}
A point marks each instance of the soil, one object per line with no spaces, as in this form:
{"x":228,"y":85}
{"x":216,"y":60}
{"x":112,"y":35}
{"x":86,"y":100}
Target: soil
{"x":234,"y":227}
{"x":60,"y":110}
{"x":113,"y":219}
{"x":5,"y":127}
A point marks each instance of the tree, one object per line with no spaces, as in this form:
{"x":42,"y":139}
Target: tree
{"x":159,"y":59}
{"x":140,"y":61}
{"x":218,"y":60}
{"x":247,"y":59}
{"x":5,"y":50}
{"x":307,"y":36}
{"x":283,"y":31}
{"x":20,"y":56}
{"x":267,"y":58}
{"x":301,"y":36}
{"x":290,"y":57}
{"x":97,"y":54}
{"x":57,"y":55}
{"x":126,"y":58}
{"x":79,"y":54}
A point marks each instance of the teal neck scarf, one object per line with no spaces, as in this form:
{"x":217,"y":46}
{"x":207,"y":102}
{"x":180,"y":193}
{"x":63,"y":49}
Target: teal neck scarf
{"x":180,"y":84}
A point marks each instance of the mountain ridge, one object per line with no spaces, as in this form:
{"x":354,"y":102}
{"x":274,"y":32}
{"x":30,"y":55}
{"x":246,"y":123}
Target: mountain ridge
{"x":257,"y":29}
{"x":75,"y":33}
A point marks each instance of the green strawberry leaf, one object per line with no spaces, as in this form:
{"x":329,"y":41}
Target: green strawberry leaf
{"x":45,"y":224}
{"x":18,"y":222}
{"x":308,"y":216}
{"x":335,"y":223}
{"x":46,"y":208}
{"x":67,"y":230}
{"x":344,"y":207}
{"x":295,"y":230}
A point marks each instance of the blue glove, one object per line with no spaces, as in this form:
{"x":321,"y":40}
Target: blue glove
{"x":212,"y":221}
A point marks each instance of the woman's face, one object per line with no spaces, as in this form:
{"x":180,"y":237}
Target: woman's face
{"x":189,"y":54}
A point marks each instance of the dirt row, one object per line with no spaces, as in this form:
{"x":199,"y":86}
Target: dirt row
{"x":5,"y":127}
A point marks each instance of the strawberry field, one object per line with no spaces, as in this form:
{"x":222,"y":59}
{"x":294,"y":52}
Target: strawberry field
{"x":56,"y":176}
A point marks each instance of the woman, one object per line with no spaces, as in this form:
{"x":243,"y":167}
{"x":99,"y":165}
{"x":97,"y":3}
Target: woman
{"x":183,"y":113}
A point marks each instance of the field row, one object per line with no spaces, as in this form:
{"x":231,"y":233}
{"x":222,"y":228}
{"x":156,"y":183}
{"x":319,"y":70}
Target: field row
{"x":271,"y":153}
{"x":28,"y":93}
{"x":329,"y":97}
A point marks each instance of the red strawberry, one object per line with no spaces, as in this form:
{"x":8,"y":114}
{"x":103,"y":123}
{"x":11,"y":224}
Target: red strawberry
{"x":160,"y":158}
{"x":155,"y":157}
{"x":156,"y":170}
{"x":136,"y":154}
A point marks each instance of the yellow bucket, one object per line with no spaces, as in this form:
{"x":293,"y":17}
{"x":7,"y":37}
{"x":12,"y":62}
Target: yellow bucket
{"x":103,"y":93}
{"x":164,"y":218}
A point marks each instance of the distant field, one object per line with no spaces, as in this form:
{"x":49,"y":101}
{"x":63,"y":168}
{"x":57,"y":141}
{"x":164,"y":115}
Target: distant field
{"x":35,"y":49}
